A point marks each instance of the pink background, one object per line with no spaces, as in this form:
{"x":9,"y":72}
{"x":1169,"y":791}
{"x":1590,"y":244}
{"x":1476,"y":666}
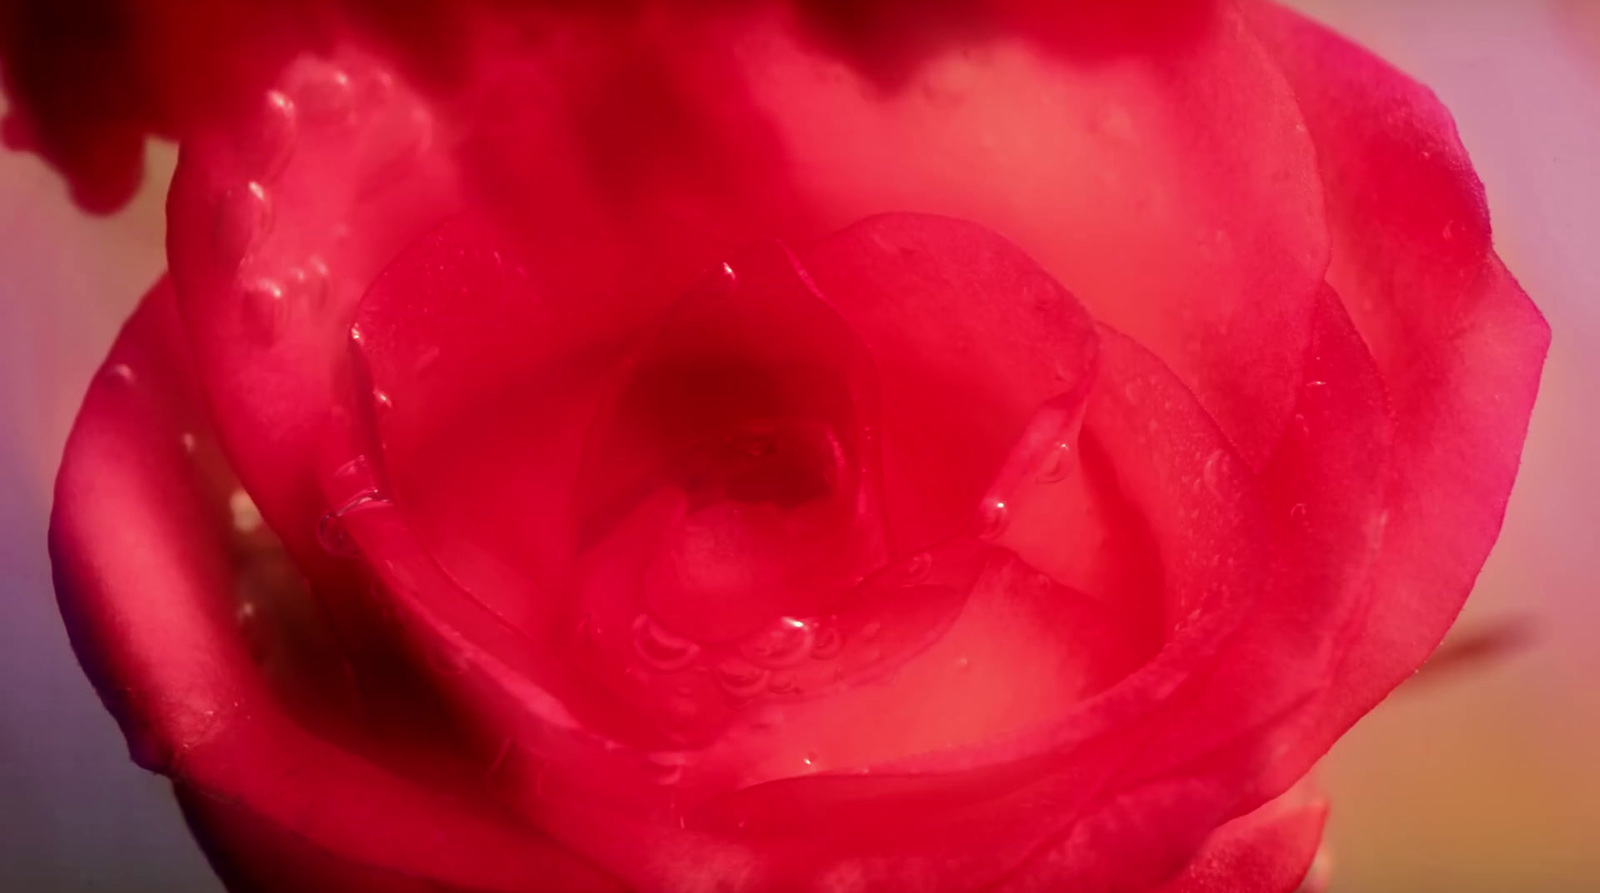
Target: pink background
{"x":1480,"y":780}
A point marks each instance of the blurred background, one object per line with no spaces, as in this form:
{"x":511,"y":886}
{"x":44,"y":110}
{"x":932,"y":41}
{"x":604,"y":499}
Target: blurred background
{"x":1483,"y":779}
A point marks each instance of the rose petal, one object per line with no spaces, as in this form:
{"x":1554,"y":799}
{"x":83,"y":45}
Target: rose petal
{"x":146,"y":590}
{"x":1268,"y":851}
{"x":1458,"y":344}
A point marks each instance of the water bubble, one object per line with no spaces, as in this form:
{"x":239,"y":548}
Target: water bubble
{"x":327,"y":97}
{"x":739,"y":680}
{"x":331,"y":533}
{"x":309,"y":284}
{"x":665,"y":767}
{"x":264,"y":309}
{"x":246,"y":517}
{"x":382,"y":401}
{"x":780,"y":645}
{"x":782,"y":683}
{"x":265,"y":148}
{"x":1057,"y":463}
{"x":826,"y":643}
{"x":992,"y":518}
{"x":1213,"y":472}
{"x":917,"y":569}
{"x":244,"y":214}
{"x":659,"y":649}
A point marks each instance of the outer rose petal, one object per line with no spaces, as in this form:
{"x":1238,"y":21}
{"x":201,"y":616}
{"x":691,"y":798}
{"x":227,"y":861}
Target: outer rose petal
{"x":144,"y":583}
{"x":1268,"y":851}
{"x":1457,"y":342}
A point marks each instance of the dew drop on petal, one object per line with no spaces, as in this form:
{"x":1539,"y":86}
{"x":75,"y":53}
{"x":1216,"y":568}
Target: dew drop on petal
{"x":782,"y":683}
{"x":1213,"y":472}
{"x":264,"y":309}
{"x":659,"y":649}
{"x":917,"y":569}
{"x":665,"y":768}
{"x":122,"y":372}
{"x":265,"y":148}
{"x":1297,"y":513}
{"x":1057,"y":463}
{"x":308,"y":284}
{"x":993,"y":516}
{"x":739,"y":680}
{"x":246,"y":517}
{"x":785,"y":643}
{"x":331,"y":533}
{"x":243,"y":216}
{"x":327,"y":97}
{"x":826,"y":643}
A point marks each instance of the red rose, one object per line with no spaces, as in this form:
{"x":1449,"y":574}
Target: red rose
{"x":779,"y":448}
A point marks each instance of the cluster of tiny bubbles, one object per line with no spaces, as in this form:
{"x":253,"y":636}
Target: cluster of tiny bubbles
{"x":319,"y":94}
{"x":331,"y":534}
{"x":993,"y":515}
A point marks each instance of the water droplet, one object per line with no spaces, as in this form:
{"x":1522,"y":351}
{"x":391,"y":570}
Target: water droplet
{"x":1214,"y":471}
{"x":264,"y":310}
{"x":666,"y":767}
{"x":739,"y":680}
{"x":383,"y":401}
{"x":826,"y":643}
{"x":871,"y":630}
{"x":246,"y":517}
{"x":265,"y":148}
{"x":327,"y":97}
{"x":992,"y":518}
{"x":1297,"y":513}
{"x":1057,"y":463}
{"x":659,"y":649}
{"x":122,"y":372}
{"x":963,"y":664}
{"x":243,"y":216}
{"x":917,"y":569}
{"x":782,"y":644}
{"x":331,"y":533}
{"x":189,"y":442}
{"x":811,"y":760}
{"x":782,"y":683}
{"x":309,"y":284}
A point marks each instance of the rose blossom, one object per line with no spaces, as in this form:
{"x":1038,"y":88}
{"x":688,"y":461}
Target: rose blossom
{"x":765,"y":447}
